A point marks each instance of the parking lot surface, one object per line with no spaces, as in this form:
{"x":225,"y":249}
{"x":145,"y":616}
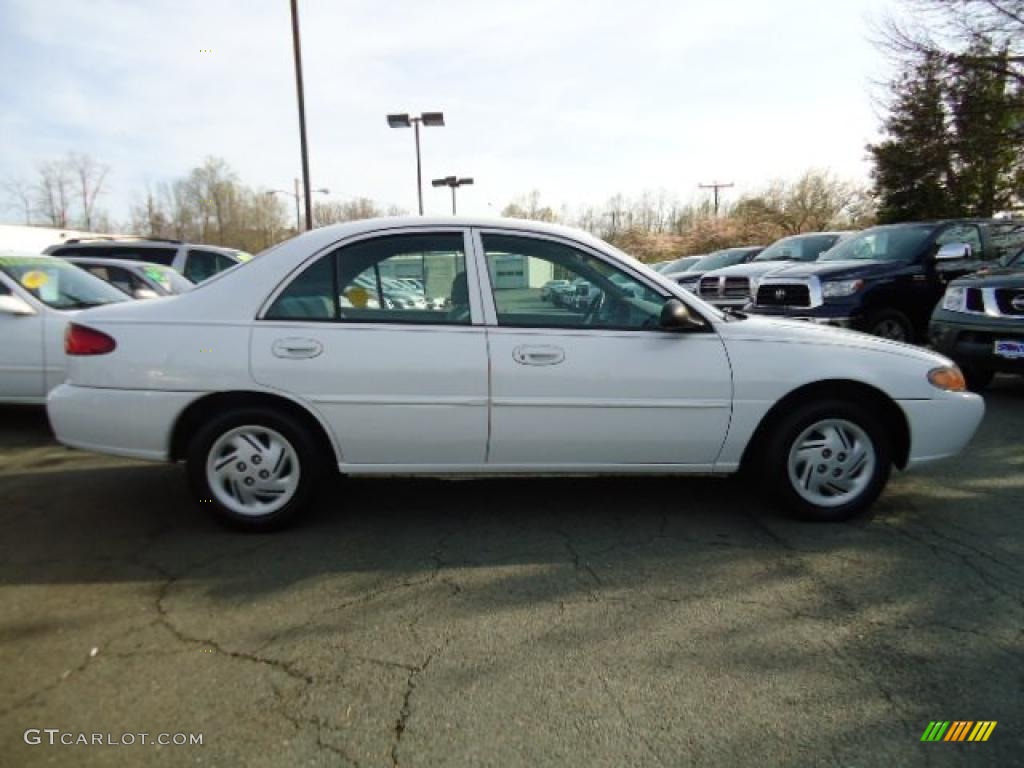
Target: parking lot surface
{"x":533,"y":622}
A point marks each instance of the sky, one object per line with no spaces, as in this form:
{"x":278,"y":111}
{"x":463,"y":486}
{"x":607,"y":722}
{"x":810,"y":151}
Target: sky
{"x":580,"y":100}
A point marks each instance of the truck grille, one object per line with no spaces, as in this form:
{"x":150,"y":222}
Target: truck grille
{"x":784,"y":295}
{"x":1010,"y":301}
{"x":736,"y":288}
{"x":708,"y":286}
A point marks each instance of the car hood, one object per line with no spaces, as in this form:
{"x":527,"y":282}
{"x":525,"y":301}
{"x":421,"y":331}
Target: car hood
{"x":763,"y":328}
{"x":994,"y":278}
{"x":838,"y":270}
{"x":751,"y":269}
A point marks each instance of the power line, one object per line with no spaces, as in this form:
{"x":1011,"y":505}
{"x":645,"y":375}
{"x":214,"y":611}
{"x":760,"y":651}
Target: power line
{"x":716,"y":185}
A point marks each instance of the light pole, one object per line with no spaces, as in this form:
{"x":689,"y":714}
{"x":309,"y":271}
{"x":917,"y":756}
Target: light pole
{"x":298,"y":197}
{"x":297,"y":48}
{"x":435,"y":119}
{"x":716,"y":186}
{"x":454,"y":183}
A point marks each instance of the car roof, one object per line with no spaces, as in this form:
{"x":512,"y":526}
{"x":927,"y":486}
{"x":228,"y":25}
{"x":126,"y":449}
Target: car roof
{"x":140,"y":242}
{"x":126,"y":263}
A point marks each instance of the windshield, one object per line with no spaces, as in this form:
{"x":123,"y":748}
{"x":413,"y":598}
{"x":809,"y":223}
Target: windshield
{"x":797,"y":248}
{"x":679,"y":264}
{"x":169,"y":279}
{"x":882,"y":243}
{"x":720,"y":259}
{"x":58,"y":283}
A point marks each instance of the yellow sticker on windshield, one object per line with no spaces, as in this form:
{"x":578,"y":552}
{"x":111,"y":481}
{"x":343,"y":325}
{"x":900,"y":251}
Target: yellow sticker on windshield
{"x":35,"y":279}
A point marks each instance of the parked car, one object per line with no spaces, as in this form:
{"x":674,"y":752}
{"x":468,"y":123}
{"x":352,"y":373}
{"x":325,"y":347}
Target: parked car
{"x":552,"y":288}
{"x":138,"y":279}
{"x":885,"y":280}
{"x":261,"y":380}
{"x":735,"y":286}
{"x":680,"y":265}
{"x":980,"y":324}
{"x":38,"y":295}
{"x":690,"y":277}
{"x":196,"y":262}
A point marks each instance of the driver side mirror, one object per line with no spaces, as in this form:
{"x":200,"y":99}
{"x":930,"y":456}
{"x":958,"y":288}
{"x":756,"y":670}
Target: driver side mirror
{"x":951,"y":251}
{"x":675,"y":316}
{"x":16,"y":306}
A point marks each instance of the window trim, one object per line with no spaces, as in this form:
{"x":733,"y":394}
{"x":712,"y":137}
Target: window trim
{"x":472,"y":277}
{"x":490,"y":308}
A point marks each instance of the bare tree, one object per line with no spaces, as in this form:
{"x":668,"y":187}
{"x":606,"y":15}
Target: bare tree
{"x":19,"y":195}
{"x":88,"y":178}
{"x":53,"y":192}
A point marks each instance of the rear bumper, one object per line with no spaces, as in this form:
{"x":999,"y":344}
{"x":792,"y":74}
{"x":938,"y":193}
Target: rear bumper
{"x":123,"y":422}
{"x":941,"y":427}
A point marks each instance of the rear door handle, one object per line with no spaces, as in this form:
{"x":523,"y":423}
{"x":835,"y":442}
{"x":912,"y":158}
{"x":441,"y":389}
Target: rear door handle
{"x":538,"y":355}
{"x":297,"y":348}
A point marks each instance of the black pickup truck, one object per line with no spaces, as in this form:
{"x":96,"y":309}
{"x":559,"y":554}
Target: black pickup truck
{"x":885,"y":280}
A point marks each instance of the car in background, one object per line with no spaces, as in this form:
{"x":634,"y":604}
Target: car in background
{"x":735,"y":286}
{"x":726,"y":257}
{"x":649,"y":380}
{"x":885,"y":280}
{"x":980,"y":324}
{"x":138,"y":279}
{"x":680,"y":265}
{"x":38,"y":295}
{"x":196,"y":262}
{"x":552,"y":289}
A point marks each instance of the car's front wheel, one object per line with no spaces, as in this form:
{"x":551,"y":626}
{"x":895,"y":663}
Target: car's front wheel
{"x":254,"y":469}
{"x":828,"y":461}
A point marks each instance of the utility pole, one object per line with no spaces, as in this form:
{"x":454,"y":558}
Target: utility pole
{"x":715,"y":185}
{"x":302,"y":115}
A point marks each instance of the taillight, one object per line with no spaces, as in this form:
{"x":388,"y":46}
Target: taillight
{"x":79,"y":340}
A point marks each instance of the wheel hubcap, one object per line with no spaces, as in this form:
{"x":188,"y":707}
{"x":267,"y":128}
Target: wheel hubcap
{"x":831,"y":462}
{"x":261,"y":485}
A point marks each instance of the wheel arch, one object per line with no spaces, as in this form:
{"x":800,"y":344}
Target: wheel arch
{"x":890,"y":414}
{"x":199,"y":411}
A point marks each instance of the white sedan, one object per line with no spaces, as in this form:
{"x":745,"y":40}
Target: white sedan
{"x":264,"y":378}
{"x":38,"y":295}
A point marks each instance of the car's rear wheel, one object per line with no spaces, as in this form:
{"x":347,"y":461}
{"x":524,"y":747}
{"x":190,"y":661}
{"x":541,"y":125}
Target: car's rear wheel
{"x":890,"y":324}
{"x":828,"y":461}
{"x":254,"y":469}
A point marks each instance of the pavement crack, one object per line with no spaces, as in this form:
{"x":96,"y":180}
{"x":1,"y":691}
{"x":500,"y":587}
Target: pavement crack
{"x":406,"y":711}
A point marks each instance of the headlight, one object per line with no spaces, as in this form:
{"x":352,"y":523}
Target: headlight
{"x":948,"y":378}
{"x":955,"y":298}
{"x":841,"y":288}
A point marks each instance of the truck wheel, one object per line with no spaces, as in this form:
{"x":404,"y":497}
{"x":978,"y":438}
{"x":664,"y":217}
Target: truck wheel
{"x":828,"y":460}
{"x":890,"y":324}
{"x":977,"y":379}
{"x":254,"y":469}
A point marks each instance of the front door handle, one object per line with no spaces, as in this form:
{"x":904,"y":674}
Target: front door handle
{"x":297,"y":348}
{"x":538,"y":355}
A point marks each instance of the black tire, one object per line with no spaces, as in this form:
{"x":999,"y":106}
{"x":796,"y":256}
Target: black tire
{"x":977,"y":379}
{"x":775,"y":462}
{"x":890,"y":324}
{"x":309,"y":469}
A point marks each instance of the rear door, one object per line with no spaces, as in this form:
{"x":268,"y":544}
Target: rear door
{"x":597,"y":384}
{"x":402,"y":382}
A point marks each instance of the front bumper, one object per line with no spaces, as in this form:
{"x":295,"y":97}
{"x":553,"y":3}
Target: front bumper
{"x":970,"y":340}
{"x":839,"y":315}
{"x":941,"y":427}
{"x":133,"y":423}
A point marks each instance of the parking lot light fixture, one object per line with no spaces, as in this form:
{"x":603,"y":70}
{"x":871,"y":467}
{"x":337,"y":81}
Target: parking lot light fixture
{"x":454,"y":183}
{"x":297,"y":196}
{"x":404,"y":120}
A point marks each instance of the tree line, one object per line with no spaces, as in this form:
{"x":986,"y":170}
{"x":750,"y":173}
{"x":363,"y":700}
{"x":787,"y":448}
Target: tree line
{"x":953,"y":135}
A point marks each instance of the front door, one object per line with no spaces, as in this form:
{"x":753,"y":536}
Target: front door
{"x":21,"y":353}
{"x":379,"y":336}
{"x":596,"y":382}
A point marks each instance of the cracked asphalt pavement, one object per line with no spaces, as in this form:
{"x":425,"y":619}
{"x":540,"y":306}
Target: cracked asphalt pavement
{"x":512,"y":622}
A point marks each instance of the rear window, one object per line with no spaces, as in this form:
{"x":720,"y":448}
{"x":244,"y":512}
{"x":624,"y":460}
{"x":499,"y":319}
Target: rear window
{"x":202,"y":265}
